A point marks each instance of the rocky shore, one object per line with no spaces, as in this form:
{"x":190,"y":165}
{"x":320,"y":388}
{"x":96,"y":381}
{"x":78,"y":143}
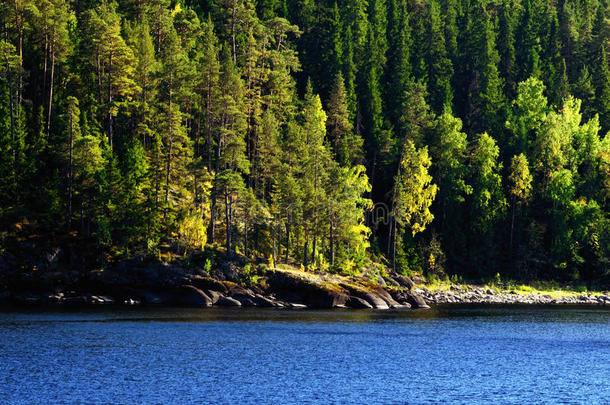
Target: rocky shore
{"x":486,"y":295}
{"x":139,"y":283}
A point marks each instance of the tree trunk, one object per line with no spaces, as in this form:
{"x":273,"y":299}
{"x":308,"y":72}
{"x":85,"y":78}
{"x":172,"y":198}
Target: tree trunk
{"x":305,"y":245}
{"x":70,"y":174}
{"x":332,"y":244}
{"x":110,"y":100}
{"x":228,"y":220}
{"x":51,"y":90}
{"x":287,"y":239}
{"x":274,"y":253}
{"x":394,"y":248}
{"x":234,"y":48}
{"x":246,"y":238}
{"x":208,"y":121}
{"x":11,"y":109}
{"x":313,"y":250}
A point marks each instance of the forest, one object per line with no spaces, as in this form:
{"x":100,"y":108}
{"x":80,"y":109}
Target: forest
{"x":454,"y":138}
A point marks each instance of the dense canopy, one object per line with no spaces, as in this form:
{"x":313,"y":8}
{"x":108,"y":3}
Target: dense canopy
{"x":452,"y":137}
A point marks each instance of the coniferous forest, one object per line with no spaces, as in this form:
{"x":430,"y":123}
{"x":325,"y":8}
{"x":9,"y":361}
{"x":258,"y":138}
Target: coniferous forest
{"x":462,"y":138}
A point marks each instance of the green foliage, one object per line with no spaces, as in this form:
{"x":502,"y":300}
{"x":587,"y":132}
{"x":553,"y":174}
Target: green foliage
{"x":274,"y":127}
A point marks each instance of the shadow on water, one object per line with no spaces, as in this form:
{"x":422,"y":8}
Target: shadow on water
{"x":547,"y":313}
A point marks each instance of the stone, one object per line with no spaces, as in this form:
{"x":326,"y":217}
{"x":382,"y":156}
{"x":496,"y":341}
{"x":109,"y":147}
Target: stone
{"x":207,"y":283}
{"x":295,"y":305}
{"x":416,"y":300}
{"x":358,"y":303}
{"x":228,"y":302}
{"x":404,"y":281}
{"x":214,"y":295}
{"x":192,"y":296}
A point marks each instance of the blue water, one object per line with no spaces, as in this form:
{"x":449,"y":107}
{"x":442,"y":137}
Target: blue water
{"x":449,"y":354}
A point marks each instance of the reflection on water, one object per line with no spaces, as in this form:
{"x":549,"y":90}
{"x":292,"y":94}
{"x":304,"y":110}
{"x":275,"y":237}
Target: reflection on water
{"x":474,"y":354}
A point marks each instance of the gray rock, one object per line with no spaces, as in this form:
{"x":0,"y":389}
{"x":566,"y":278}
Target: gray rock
{"x":386,"y":297}
{"x":404,"y":281}
{"x":214,"y":295}
{"x":295,"y":305}
{"x":416,"y":300}
{"x":358,"y":303}
{"x":265,"y":302}
{"x":192,"y":296}
{"x":228,"y":302}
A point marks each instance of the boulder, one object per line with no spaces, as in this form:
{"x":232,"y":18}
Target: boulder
{"x":312,"y":293}
{"x":404,"y":281}
{"x":416,"y":300}
{"x":295,"y":305}
{"x":207,"y":283}
{"x":227,"y":271}
{"x":228,"y":302}
{"x":214,"y":295}
{"x":386,"y":297}
{"x":265,"y":302}
{"x":372,"y":298}
{"x":153,"y":298}
{"x":358,"y":303}
{"x":192,"y":296}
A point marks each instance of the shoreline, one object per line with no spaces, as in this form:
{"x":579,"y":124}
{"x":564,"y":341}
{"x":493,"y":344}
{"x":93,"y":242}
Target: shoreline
{"x":474,"y":294}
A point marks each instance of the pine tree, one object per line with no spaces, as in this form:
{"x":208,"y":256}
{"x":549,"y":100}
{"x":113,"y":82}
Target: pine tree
{"x":506,"y":47}
{"x":602,"y":89}
{"x":487,"y":102}
{"x":347,"y":146}
{"x":440,"y":69}
{"x":114,"y":61}
{"x":399,"y":56}
{"x":315,"y":169}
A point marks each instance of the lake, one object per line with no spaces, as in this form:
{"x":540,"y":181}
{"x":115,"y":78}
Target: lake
{"x":457,"y":354}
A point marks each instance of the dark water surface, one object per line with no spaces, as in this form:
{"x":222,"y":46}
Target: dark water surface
{"x":448,"y":354}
